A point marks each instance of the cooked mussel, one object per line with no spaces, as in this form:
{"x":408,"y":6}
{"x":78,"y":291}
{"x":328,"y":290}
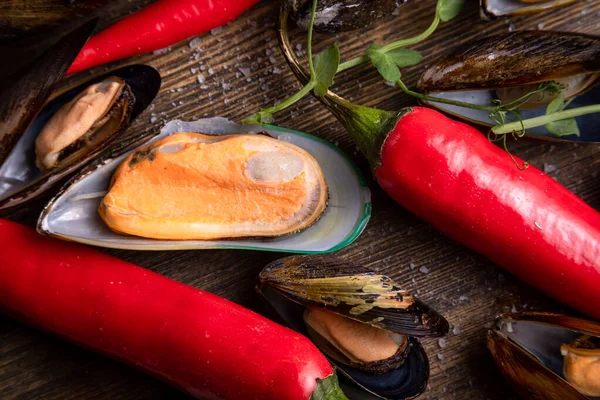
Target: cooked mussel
{"x":93,"y":116}
{"x":511,"y":8}
{"x":333,"y":16}
{"x":362,"y":321}
{"x":215,"y":184}
{"x":198,"y":186}
{"x":75,"y":128}
{"x":548,"y":356}
{"x":582,"y":364}
{"x":527,"y":69}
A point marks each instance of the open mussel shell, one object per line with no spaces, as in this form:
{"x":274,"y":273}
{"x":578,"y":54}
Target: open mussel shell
{"x":73,"y":213}
{"x":293,"y":284}
{"x":526,"y":347}
{"x":21,"y":180}
{"x":333,"y":16}
{"x":23,"y":91}
{"x":512,"y":8}
{"x":480,"y":72}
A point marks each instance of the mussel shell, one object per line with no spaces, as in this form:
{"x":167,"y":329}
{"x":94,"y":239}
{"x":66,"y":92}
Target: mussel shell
{"x":513,"y":59}
{"x":353,"y":291}
{"x":473,"y":72}
{"x":73,"y":213}
{"x":23,"y":97}
{"x":537,"y":373}
{"x":512,"y":8}
{"x":342,"y":15}
{"x":405,"y":382}
{"x":21,"y":180}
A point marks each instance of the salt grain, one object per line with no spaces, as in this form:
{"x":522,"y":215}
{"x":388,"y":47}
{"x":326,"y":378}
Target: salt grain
{"x":194,"y":42}
{"x":201,"y":78}
{"x":245,"y":71}
{"x":424,"y":270}
{"x":216,"y":31}
{"x":411,"y":265}
{"x":442,"y":343}
{"x":162,"y":51}
{"x":456,"y":330}
{"x":440,"y":356}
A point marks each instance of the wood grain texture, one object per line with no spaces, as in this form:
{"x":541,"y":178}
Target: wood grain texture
{"x":242,"y":70}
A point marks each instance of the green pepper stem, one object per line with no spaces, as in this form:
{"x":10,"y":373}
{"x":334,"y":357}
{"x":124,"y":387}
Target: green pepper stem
{"x":545,"y":119}
{"x":328,"y":389}
{"x":420,"y":96}
{"x":392,"y":46}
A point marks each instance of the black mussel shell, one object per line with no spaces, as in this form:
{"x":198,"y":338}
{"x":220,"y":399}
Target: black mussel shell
{"x":21,"y":180}
{"x":526,"y":347}
{"x":342,"y":15}
{"x":353,"y":291}
{"x":513,"y":59}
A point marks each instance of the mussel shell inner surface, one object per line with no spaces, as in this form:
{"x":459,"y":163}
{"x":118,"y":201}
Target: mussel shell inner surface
{"x":541,"y":340}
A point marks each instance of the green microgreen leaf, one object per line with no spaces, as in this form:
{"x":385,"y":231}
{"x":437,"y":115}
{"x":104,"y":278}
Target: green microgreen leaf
{"x":404,"y":57}
{"x":558,"y":104}
{"x":563,"y":127}
{"x":384,"y":64}
{"x":326,"y":65}
{"x":448,"y":9}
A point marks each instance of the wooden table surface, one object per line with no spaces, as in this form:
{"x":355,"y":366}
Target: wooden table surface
{"x":242,"y":70}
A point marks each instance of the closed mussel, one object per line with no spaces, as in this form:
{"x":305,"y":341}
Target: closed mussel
{"x":548,"y":356}
{"x":512,"y":8}
{"x":343,"y":15}
{"x":362,"y":321}
{"x":73,"y":129}
{"x":215,"y":184}
{"x":524,"y":71}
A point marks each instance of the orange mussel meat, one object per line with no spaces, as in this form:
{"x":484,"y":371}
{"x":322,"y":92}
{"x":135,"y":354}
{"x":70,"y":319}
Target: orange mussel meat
{"x":198,"y":186}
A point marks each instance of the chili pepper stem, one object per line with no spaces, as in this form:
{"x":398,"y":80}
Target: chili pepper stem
{"x":328,"y":389}
{"x":545,"y":119}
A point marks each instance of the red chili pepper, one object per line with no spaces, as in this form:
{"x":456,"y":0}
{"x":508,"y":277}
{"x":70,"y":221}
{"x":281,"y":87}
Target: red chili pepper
{"x":203,"y":344}
{"x":449,"y":174}
{"x":156,"y":26}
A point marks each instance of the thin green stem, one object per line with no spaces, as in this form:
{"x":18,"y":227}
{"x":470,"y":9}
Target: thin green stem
{"x":545,"y":119}
{"x":420,"y":96}
{"x":290,"y":100}
{"x":391,"y":46}
{"x":414,"y":40}
{"x":355,"y":62}
{"x":309,"y":39}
